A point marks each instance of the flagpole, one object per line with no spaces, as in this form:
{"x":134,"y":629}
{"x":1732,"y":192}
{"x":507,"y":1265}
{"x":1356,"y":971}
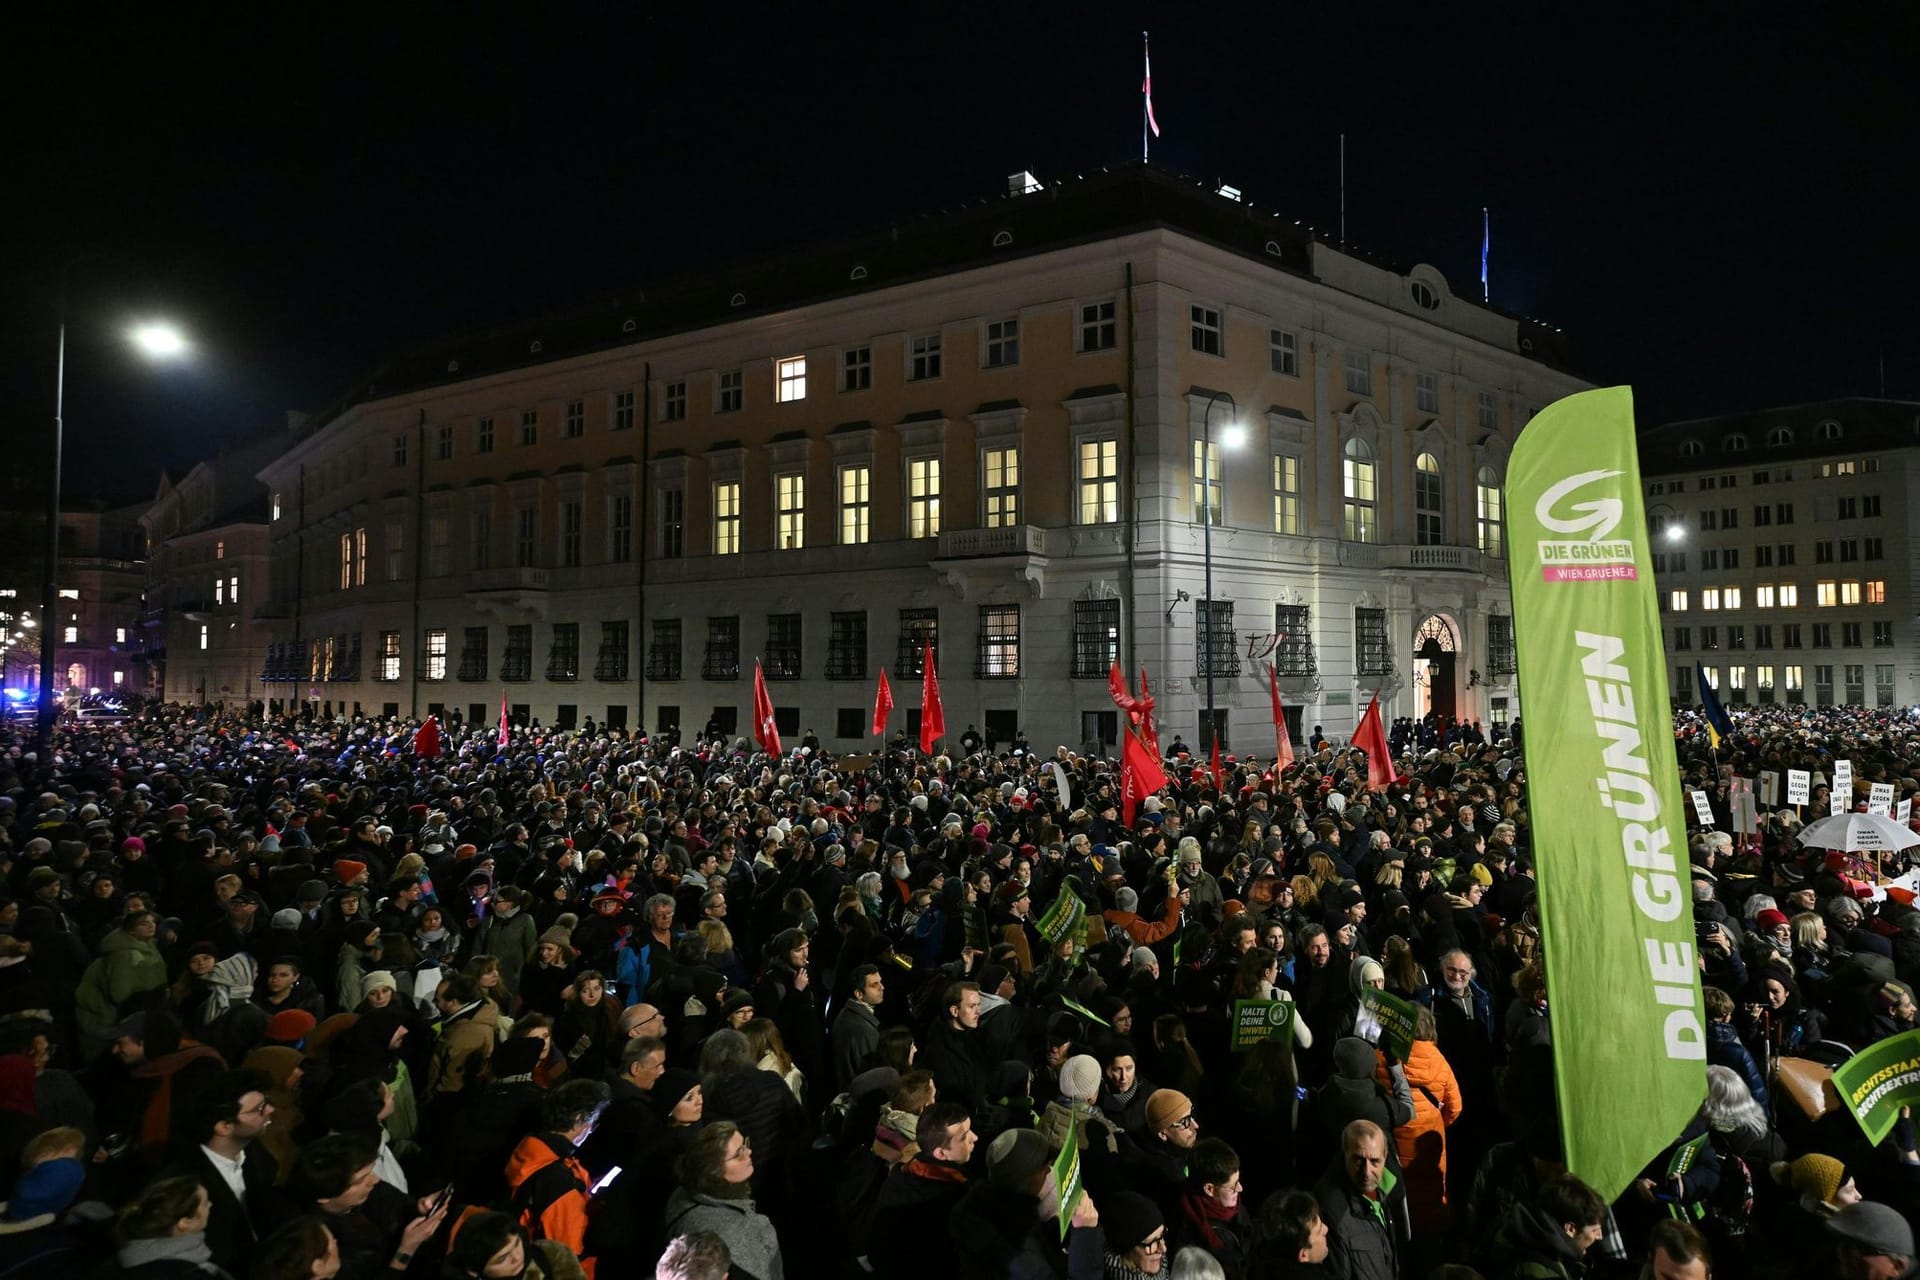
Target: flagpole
{"x":1486,"y":247}
{"x":1145,"y":89}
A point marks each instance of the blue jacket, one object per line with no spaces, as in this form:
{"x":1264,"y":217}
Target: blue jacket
{"x":1724,"y":1049}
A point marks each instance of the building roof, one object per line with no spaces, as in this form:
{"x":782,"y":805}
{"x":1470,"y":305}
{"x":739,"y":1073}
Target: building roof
{"x":1086,"y":209}
{"x":1817,"y":429}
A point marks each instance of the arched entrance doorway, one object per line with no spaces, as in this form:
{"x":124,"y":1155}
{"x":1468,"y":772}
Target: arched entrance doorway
{"x":1435,"y":649}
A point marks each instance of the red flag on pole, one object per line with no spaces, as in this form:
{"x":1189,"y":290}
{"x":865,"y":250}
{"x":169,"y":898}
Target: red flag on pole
{"x":1219,"y":778}
{"x":1147,"y":729}
{"x":502,"y":739}
{"x":1283,"y":741}
{"x":1141,"y":775}
{"x":426,"y":739}
{"x":1371,"y":737}
{"x":882,"y":705}
{"x":933,"y":719}
{"x":765,"y":731}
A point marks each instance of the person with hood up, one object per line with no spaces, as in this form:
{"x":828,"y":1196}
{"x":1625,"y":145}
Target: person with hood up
{"x":35,"y":1238}
{"x":1549,"y":1238}
{"x":129,"y":965}
{"x":1352,"y":1094}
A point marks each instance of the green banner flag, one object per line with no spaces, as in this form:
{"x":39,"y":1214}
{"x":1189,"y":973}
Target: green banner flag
{"x":1609,"y":828}
{"x":1063,"y":916}
{"x":1066,"y":1175}
{"x":1255,"y":1021}
{"x":1880,"y":1079}
{"x":1385,"y":1020}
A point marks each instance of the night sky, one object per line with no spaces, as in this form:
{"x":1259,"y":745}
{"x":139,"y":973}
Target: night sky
{"x":1719,"y":215}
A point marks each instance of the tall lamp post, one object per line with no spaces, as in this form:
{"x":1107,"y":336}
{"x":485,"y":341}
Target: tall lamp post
{"x":1231,"y":436}
{"x":155,"y":340}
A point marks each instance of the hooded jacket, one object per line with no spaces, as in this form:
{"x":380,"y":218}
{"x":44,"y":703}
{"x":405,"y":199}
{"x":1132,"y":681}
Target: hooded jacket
{"x":125,"y":967}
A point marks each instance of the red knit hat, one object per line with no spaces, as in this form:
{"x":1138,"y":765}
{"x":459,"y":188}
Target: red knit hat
{"x":1769,"y":918}
{"x":290,"y":1026}
{"x":346,"y":870}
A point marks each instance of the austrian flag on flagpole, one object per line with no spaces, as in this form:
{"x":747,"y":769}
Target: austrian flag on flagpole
{"x":1146,"y":87}
{"x":766,"y":729}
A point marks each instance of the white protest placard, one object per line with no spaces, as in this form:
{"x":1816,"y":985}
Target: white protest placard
{"x":1836,"y":802}
{"x":1903,"y":812}
{"x":1746,"y":818}
{"x":1910,"y":882}
{"x":1769,"y":788}
{"x":1843,"y":776}
{"x":1701,"y":808}
{"x":1799,"y":786}
{"x":1880,"y":798}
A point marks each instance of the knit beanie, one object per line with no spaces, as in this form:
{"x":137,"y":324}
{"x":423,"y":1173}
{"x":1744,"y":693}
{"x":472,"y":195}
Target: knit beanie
{"x":1817,"y":1177}
{"x":286,"y":918}
{"x":1353,"y":1058}
{"x":1770,"y":918}
{"x":1079,"y":1078}
{"x":1015,"y":1157}
{"x":311,"y":891}
{"x":48,"y":1187}
{"x":290,"y":1026}
{"x":377,"y":979}
{"x":1164,"y":1108}
{"x":346,"y":870}
{"x":1143,"y":958}
{"x":674,"y":1084}
{"x":562,"y":938}
{"x":1126,"y":900}
{"x":1128,"y":1218}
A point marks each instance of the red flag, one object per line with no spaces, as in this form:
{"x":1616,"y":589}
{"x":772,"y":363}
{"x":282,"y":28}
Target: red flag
{"x":1219,"y":779}
{"x":426,"y":739}
{"x":1146,"y":85}
{"x":1371,"y":737}
{"x":765,"y":731}
{"x":502,"y":739}
{"x":1147,"y":729}
{"x":1283,"y":741}
{"x":1141,"y":775}
{"x":933,"y":719}
{"x":882,"y":705}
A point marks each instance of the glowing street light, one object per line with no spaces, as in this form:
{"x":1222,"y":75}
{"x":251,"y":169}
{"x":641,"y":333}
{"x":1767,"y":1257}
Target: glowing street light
{"x":155,"y":339}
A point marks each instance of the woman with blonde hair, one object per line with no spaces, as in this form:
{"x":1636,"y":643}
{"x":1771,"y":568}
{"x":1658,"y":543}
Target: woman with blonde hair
{"x":1306,"y":896}
{"x":721,"y":953}
{"x":769,"y":1053}
{"x":716,"y":1194}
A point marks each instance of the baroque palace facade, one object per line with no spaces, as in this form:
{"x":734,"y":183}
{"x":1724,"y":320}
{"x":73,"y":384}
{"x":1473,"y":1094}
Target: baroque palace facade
{"x":985,"y":430}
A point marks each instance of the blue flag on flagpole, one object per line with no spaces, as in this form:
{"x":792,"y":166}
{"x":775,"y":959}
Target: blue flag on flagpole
{"x":1486,"y":247}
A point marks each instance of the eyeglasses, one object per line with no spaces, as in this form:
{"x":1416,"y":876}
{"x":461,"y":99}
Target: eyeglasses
{"x":1156,"y":1245}
{"x":741,"y":1152}
{"x":1184,"y":1122}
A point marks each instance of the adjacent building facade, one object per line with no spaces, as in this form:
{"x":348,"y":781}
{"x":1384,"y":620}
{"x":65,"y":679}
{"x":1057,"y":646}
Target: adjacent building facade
{"x":1788,"y":558}
{"x":1016,"y":434}
{"x":103,"y":575}
{"x":207,"y":571}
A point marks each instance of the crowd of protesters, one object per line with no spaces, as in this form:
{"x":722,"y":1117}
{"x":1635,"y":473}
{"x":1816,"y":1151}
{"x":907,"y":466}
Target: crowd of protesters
{"x":289,"y":1001}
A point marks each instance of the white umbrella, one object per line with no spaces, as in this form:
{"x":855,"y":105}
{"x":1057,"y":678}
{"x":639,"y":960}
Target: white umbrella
{"x":1859,"y":833}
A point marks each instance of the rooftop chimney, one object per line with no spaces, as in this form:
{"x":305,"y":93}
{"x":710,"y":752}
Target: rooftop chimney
{"x":1022,"y":183}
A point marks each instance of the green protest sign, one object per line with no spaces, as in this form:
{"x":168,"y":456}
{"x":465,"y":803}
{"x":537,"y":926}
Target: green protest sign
{"x":1387,"y":1021}
{"x":1074,"y":1006}
{"x":1257,"y":1020}
{"x":1063,"y":917}
{"x":1880,"y":1079}
{"x":1066,"y":1176}
{"x":1616,"y":918}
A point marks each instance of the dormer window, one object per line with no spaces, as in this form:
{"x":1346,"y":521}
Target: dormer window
{"x":1828,"y":430}
{"x":1735,"y":443}
{"x":1779,"y":437}
{"x":1691,"y":448}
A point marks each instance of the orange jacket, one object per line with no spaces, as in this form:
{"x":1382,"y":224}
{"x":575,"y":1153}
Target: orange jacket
{"x":550,"y":1187}
{"x":1422,"y":1141}
{"x":1142,"y":933}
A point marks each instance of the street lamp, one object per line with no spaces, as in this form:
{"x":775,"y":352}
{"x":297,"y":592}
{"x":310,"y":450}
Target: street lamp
{"x":1232,"y":436}
{"x":157,"y":341}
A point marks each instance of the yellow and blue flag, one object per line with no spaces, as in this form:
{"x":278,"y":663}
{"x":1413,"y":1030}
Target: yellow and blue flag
{"x":1719,"y":724}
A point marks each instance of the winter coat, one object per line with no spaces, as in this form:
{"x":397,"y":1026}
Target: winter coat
{"x":1422,"y":1141}
{"x":512,"y":941}
{"x":465,"y":1044}
{"x":549,"y":1187}
{"x":767,"y":1112}
{"x":749,"y":1235}
{"x":1366,"y":1239}
{"x":126,"y":967}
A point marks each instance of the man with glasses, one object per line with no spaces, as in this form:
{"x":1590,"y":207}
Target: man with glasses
{"x":1167,"y":1145}
{"x":1136,"y":1236}
{"x":238,"y":1173}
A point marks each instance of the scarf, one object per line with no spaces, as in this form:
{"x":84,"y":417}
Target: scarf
{"x":924,"y":1166}
{"x":1121,"y":1099}
{"x":435,"y":935}
{"x":191,"y":1248}
{"x":1203,"y":1211}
